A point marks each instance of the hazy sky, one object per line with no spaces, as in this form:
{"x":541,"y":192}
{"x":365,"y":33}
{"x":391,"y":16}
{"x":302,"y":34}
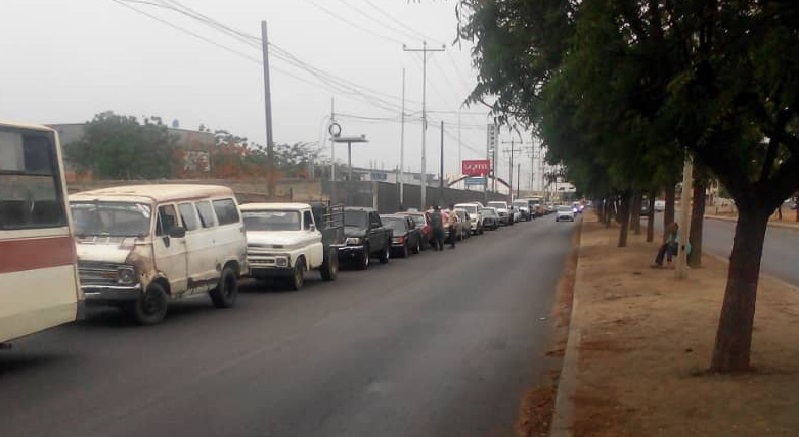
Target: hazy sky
{"x":62,"y":61}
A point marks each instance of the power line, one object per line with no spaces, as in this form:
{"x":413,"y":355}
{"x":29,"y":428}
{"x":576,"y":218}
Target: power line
{"x":352,"y":23}
{"x":398,"y":31}
{"x":400,"y":23}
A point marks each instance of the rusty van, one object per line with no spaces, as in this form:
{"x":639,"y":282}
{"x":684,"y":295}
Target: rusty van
{"x":141,"y":247}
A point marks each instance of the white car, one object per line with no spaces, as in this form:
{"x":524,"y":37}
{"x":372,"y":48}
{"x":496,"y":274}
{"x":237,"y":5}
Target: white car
{"x":285,"y":242}
{"x":505,"y":215}
{"x":476,"y":215}
{"x":565,"y":213}
{"x":660,"y":205}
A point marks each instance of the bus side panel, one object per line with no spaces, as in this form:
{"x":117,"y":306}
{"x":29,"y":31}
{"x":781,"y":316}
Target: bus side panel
{"x":35,"y":300}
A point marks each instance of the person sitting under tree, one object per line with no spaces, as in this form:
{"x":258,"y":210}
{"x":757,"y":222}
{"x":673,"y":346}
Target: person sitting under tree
{"x":669,"y":247}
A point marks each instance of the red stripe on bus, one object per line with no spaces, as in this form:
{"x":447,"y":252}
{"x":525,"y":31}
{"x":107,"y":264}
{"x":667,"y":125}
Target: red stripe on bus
{"x":36,"y":253}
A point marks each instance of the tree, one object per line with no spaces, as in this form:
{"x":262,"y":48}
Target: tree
{"x":651,"y":80}
{"x":119,"y":147}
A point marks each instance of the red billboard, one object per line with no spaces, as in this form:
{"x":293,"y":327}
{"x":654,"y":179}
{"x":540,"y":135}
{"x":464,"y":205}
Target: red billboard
{"x":475,"y":167}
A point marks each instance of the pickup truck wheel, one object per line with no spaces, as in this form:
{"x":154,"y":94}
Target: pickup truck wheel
{"x":329,"y":270}
{"x":224,"y":295}
{"x":404,"y":253}
{"x":151,"y":307}
{"x":386,"y":255}
{"x":363,"y":258}
{"x":298,"y":275}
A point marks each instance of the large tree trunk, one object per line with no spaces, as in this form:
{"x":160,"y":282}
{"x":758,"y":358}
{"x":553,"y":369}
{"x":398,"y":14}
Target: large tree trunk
{"x":635,"y":213}
{"x":650,"y":223}
{"x":732,"y":350}
{"x":668,"y":213}
{"x":624,"y":219}
{"x":697,"y":223}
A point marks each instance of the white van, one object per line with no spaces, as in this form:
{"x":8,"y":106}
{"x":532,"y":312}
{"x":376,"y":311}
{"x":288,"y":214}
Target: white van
{"x":141,"y":246}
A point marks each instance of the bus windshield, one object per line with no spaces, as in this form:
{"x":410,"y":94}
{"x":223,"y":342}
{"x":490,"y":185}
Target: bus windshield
{"x":111,"y":219}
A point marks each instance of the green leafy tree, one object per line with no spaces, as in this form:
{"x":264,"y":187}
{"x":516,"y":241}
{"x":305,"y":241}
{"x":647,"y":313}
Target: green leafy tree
{"x":120,"y":147}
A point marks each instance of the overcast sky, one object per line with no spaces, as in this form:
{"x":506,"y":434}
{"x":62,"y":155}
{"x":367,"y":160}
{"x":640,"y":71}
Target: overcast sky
{"x":65,"y":60}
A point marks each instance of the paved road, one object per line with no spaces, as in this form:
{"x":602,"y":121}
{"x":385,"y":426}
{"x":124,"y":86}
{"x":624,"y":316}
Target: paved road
{"x":780,"y":248}
{"x":401,"y":349}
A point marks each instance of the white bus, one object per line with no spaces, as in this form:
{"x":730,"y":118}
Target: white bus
{"x":38,"y":272}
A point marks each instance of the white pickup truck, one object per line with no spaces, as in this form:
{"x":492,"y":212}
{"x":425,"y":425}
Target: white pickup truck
{"x":285,"y":242}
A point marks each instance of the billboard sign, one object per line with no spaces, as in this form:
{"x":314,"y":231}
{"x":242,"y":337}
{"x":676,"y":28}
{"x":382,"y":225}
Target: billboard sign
{"x":475,"y":167}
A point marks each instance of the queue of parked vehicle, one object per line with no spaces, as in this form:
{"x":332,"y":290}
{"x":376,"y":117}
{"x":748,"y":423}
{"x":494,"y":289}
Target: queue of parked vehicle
{"x":142,"y":247}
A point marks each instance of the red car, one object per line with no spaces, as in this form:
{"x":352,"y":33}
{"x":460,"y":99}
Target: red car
{"x":422,"y":222}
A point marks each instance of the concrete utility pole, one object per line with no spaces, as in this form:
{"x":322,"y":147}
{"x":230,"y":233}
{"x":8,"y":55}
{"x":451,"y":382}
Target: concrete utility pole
{"x":402,"y":146}
{"x":423,"y":175}
{"x":518,"y":180}
{"x":332,"y":134}
{"x":511,"y":152}
{"x":270,"y":146}
{"x":441,"y":169}
{"x":681,"y":272}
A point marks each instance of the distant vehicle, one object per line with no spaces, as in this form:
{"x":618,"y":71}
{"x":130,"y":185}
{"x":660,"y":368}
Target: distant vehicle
{"x":284,"y":241}
{"x":523,"y":206}
{"x":501,"y":207}
{"x":565,"y":213}
{"x":422,"y":222}
{"x":38,"y":275}
{"x":660,"y":205}
{"x":490,"y":218}
{"x":405,"y":237}
{"x":475,"y":215}
{"x":141,"y":247}
{"x":365,"y":237}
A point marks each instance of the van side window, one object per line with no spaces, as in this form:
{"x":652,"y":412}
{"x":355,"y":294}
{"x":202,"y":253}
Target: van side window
{"x":189,"y":216}
{"x":226,"y":211}
{"x":167,"y":219}
{"x":307,"y":220}
{"x":206,"y":213}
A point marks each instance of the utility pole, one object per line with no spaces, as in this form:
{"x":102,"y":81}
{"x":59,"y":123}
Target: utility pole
{"x":423,"y":175}
{"x":441,"y":169}
{"x":518,"y":180}
{"x":511,"y":153}
{"x":402,"y":146}
{"x":270,"y":146}
{"x":460,"y":159}
{"x":331,"y":132}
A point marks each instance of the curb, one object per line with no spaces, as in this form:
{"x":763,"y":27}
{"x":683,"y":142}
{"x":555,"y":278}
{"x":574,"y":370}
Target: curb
{"x":791,"y":227}
{"x":563,"y":413}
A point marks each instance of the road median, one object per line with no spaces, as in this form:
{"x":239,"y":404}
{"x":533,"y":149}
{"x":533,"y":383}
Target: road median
{"x":640,"y":343}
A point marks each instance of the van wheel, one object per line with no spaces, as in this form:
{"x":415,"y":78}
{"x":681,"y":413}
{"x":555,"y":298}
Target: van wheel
{"x":329,"y":270}
{"x":298,"y":275}
{"x":224,"y":295}
{"x":151,"y":307}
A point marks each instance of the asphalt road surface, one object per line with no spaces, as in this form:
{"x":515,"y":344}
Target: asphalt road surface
{"x":439,"y":344}
{"x":780,"y":248}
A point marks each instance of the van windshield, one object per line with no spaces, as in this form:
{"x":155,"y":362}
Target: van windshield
{"x":272,"y":220}
{"x":111,"y":219}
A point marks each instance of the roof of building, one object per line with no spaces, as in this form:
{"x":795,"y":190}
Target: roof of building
{"x":154,"y":192}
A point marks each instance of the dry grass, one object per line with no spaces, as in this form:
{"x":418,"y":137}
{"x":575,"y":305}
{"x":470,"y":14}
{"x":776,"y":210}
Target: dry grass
{"x":647,"y":339}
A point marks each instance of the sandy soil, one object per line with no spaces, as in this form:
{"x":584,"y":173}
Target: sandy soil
{"x":647,"y":340}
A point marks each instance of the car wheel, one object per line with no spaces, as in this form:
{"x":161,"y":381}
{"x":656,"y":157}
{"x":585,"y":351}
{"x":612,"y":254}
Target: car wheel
{"x":151,"y":306}
{"x":404,"y":252}
{"x":298,"y":275}
{"x":329,"y":270}
{"x":417,"y":248}
{"x":363,"y":258}
{"x":224,"y":295}
{"x":386,"y":255}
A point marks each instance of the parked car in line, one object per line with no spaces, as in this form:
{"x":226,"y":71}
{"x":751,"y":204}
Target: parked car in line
{"x":141,"y":247}
{"x":366,"y":237}
{"x":475,"y":216}
{"x":284,"y":241}
{"x":490,"y":218}
{"x":501,"y":207}
{"x":464,"y":224}
{"x":565,"y":213}
{"x":405,"y":237}
{"x":422,"y":222}
{"x":523,"y":206}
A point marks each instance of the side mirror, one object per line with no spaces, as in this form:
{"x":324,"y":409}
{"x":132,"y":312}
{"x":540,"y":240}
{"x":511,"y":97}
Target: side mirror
{"x":312,"y":228}
{"x":177,"y":232}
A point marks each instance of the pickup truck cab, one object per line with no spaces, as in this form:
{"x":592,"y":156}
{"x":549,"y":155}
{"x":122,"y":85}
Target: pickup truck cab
{"x":475,"y":214}
{"x":366,"y":237}
{"x":505,"y":214}
{"x":142,"y":246}
{"x":285,"y":242}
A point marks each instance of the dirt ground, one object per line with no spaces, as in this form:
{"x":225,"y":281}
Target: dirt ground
{"x":647,"y":340}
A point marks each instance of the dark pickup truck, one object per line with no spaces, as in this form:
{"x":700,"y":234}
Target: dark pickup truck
{"x":365,"y":237}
